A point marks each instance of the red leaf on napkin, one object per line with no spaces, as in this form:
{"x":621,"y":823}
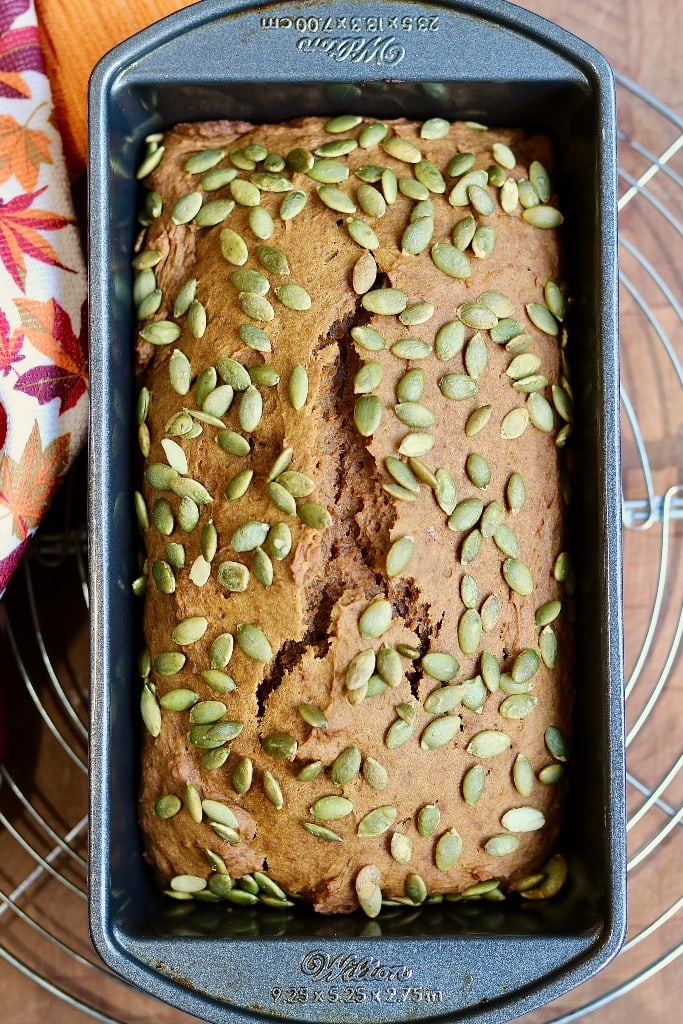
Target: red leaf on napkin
{"x":3,"y":425}
{"x":22,"y":151}
{"x":19,"y":50}
{"x":10,"y":346}
{"x":19,"y":235}
{"x":47,"y":326}
{"x":27,"y":486}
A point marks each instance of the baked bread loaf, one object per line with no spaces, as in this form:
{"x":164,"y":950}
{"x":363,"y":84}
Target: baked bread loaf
{"x":353,"y":398}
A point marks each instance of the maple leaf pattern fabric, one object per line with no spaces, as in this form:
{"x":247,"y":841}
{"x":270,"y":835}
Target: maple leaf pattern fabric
{"x":43,"y":347}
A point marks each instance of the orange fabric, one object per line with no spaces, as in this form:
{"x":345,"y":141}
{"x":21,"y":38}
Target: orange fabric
{"x":73,"y":37}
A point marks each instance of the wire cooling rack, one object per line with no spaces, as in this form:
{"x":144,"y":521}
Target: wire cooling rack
{"x":44,"y":619}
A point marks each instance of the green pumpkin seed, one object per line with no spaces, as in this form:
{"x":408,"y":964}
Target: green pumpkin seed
{"x":189,"y":630}
{"x":250,"y":409}
{"x":490,"y":613}
{"x":167,"y":806}
{"x":161,"y":332}
{"x":188,"y":514}
{"x":205,"y":384}
{"x":448,"y":850}
{"x":556,"y":742}
{"x":212,"y":760}
{"x":542,"y":318}
{"x":480,"y":198}
{"x":221,"y":650}
{"x":367,"y":414}
{"x":430,"y":176}
{"x":175,"y":553}
{"x":563,"y":403}
{"x":263,"y":567}
{"x":313,"y":716}
{"x":417,"y":313}
{"x":466,"y":514}
{"x":478,"y":470}
{"x":389,"y":666}
{"x":401,"y":848}
{"x":509,"y":195}
{"x":217,"y":403}
{"x":364,"y":273}
{"x":256,"y":306}
{"x":367,"y":378}
{"x":187,"y":884}
{"x":328,"y":172}
{"x":417,"y":236}
{"x":298,"y":484}
{"x":208,"y":737}
{"x":523,"y":775}
{"x":399,"y":732}
{"x":372,"y":135}
{"x":527,"y":385}
{"x":514,"y":423}
{"x":523,"y":819}
{"x":279,"y":745}
{"x":187,"y":207}
{"x":377,"y":821}
{"x":476,"y":356}
{"x":271,"y":181}
{"x":292,"y":205}
{"x":518,"y":705}
{"x":281,"y":498}
{"x":501,"y":845}
{"x":233,"y":576}
{"x":503,"y":155}
{"x":540,"y":180}
{"x":490,"y":670}
{"x":446,"y":492}
{"x":146,"y":259}
{"x":488,"y":743}
{"x":413,"y":189}
{"x":200,"y":571}
{"x":458,"y":387}
{"x":272,"y":790}
{"x":192,"y":799}
{"x":402,"y":474}
{"x":548,"y":612}
{"x":515,"y":493}
{"x":144,"y":285}
{"x":401,"y":149}
{"x":362,"y":233}
{"x":451,"y":261}
{"x":375,"y":774}
{"x":435,"y":128}
{"x":412,"y":414}
{"x":232,"y":443}
{"x":360,"y":668}
{"x":260,"y":222}
{"x":346,"y":766}
{"x":540,"y":216}
{"x":483,"y":242}
{"x":185,"y":487}
{"x":179,"y":372}
{"x":469,"y":591}
{"x":518,"y":577}
{"x":473,"y":784}
{"x":411,"y":348}
{"x":331,"y":808}
{"x":477,"y":420}
{"x":337,"y":147}
{"x":415,"y":888}
{"x":506,"y":540}
{"x":314,"y":515}
{"x":416,"y":443}
{"x":464,"y":232}
{"x":523,"y":366}
{"x":214,"y":213}
{"x":203,"y":160}
{"x":320,"y":832}
{"x":207,"y":711}
{"x":399,"y":555}
{"x":376,"y":619}
{"x":294,"y":297}
{"x":460,"y":164}
{"x":547,"y":644}
{"x":217,"y":178}
{"x":469,"y":631}
{"x":389,"y":183}
{"x":220,"y":813}
{"x":253,"y":642}
{"x":233,"y":247}
{"x":368,"y":338}
{"x":368,"y":890}
{"x":440,"y":732}
{"x":446,"y":698}
{"x":162,"y":515}
{"x":551,"y":774}
{"x":150,"y":162}
{"x":423,"y":472}
{"x":505,"y":330}
{"x":218,"y":681}
{"x":477,"y":316}
{"x":162,"y":574}
{"x":343,"y":123}
{"x":370,"y":200}
{"x":423,"y":208}
{"x":150,"y":711}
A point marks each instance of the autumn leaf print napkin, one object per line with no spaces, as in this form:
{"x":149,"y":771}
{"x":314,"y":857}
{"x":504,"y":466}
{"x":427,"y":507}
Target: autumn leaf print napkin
{"x":43,"y":348}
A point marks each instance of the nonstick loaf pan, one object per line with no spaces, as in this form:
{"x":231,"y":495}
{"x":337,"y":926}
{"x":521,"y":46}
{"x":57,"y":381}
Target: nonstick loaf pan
{"x":464,"y":59}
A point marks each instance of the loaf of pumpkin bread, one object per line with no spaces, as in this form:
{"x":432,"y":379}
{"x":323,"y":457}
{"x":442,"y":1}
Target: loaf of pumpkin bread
{"x":352,"y":405}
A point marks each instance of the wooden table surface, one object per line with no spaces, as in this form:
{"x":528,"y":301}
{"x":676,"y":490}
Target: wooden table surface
{"x":643,"y":39}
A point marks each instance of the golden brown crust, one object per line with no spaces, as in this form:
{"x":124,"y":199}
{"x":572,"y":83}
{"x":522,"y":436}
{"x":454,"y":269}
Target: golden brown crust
{"x":310,"y":613}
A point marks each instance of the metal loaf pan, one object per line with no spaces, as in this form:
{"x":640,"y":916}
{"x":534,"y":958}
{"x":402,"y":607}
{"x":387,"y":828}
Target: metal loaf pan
{"x":471,"y":59}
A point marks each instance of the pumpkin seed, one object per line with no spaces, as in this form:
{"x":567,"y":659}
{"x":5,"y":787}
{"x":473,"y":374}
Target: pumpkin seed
{"x":167,"y":806}
{"x":399,"y":732}
{"x":490,"y":613}
{"x":459,"y":164}
{"x":509,"y":195}
{"x":514,"y":423}
{"x":185,"y":487}
{"x":162,"y":574}
{"x":271,"y":181}
{"x":368,"y":890}
{"x":417,"y":236}
{"x":440,"y":732}
{"x":310,"y":771}
{"x":175,"y":553}
{"x":294,"y":297}
{"x":542,"y":318}
{"x":401,"y":149}
{"x":434,"y":128}
{"x":360,"y":668}
{"x":488,"y":743}
{"x":399,"y":555}
{"x":416,"y":443}
{"x":298,"y":484}
{"x":477,"y":420}
{"x":458,"y":387}
{"x":368,"y":338}
{"x":483,"y":242}
{"x":417,"y":313}
{"x":528,"y":196}
{"x":331,"y":808}
{"x":527,"y":385}
{"x":343,"y":123}
{"x":272,"y":790}
{"x":208,"y":737}
{"x":411,"y":348}
{"x":408,"y":651}
{"x":515,"y":493}
{"x":314,"y":515}
{"x":364,"y":273}
{"x":466,"y":514}
{"x":187,"y":207}
{"x":200,"y":571}
{"x":423,"y":208}
{"x":214,"y":213}
{"x":506,"y":330}
{"x":372,"y":135}
{"x":179,"y":372}
{"x":203,"y":160}
{"x":501,"y":845}
{"x":189,"y":630}
{"x":253,"y":642}
{"x":458,"y":195}
{"x":377,"y":821}
{"x":430,"y":176}
{"x":263,"y":567}
{"x":150,"y":162}
{"x":233,"y":576}
{"x":478,"y":470}
{"x":281,"y":498}
{"x":376,"y":619}
{"x":336,"y":199}
{"x":464,"y":232}
{"x":207,"y":711}
{"x":233,"y":247}
{"x":192,"y":799}
{"x":518,"y":705}
{"x":279,"y":744}
{"x":188,"y":884}
{"x":161,"y":332}
{"x":523,"y":819}
{"x":371,"y":201}
{"x":413,"y":414}
{"x":221,"y":650}
{"x":503,"y":155}
{"x":337,"y":147}
{"x":402,"y":473}
{"x":162,"y":516}
{"x":415,"y":888}
{"x":540,"y":180}
{"x":217,"y":178}
{"x":523,"y":366}
{"x":547,"y":645}
{"x":523,"y":775}
{"x":150,"y":710}
{"x":480,"y":198}
{"x":556,"y":743}
{"x":145,"y":284}
{"x":313,"y":716}
{"x":506,"y":540}
{"x":367,"y":378}
{"x":250,"y":409}
{"x":367,"y":414}
{"x":320,"y":832}
{"x":540,"y":216}
{"x":401,"y":848}
{"x":469,"y":591}
{"x":188,"y":514}
{"x":490,"y":670}
{"x":220,"y":813}
{"x":218,"y":681}
{"x":232,"y":443}
{"x":548,"y":612}
{"x":445,"y":491}
{"x":146,"y":259}
{"x":551,"y":774}
{"x":328,"y":171}
{"x":448,"y":850}
{"x":345,"y":766}
{"x":451,"y":261}
{"x":389,"y":184}
{"x":413,"y":189}
{"x":389,"y":666}
{"x":473,"y":784}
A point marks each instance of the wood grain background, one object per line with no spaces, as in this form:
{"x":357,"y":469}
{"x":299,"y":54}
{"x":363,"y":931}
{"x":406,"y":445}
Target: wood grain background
{"x":642,"y":39}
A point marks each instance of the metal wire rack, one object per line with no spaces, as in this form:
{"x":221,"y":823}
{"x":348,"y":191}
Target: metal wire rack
{"x":43,"y":624}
